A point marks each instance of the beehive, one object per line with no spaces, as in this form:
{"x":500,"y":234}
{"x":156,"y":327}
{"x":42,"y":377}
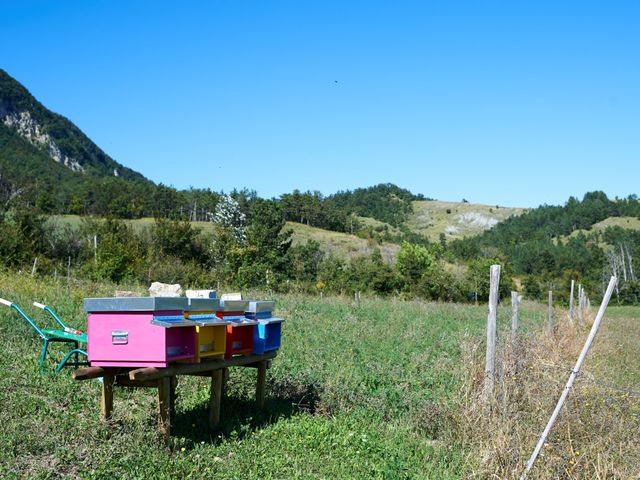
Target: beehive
{"x":139,"y":331}
{"x":267,"y":334}
{"x":240,"y":330}
{"x":211,"y":331}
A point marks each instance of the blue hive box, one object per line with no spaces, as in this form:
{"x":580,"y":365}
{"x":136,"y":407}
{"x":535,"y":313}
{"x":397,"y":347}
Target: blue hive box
{"x":267,"y":334}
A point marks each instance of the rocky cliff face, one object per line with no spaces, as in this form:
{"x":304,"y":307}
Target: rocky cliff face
{"x":29,"y":129}
{"x":22,"y":115}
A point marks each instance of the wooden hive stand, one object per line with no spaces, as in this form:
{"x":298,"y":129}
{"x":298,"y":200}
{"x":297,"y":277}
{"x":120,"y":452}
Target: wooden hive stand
{"x":165,"y":380}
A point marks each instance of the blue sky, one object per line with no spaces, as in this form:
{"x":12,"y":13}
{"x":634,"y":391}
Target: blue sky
{"x":508,"y":102}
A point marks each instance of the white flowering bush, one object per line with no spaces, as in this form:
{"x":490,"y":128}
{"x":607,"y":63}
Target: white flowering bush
{"x":228,"y":215}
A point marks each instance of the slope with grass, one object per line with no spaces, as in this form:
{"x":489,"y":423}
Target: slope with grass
{"x":343,"y":245}
{"x":628,"y":223}
{"x":456,"y":219}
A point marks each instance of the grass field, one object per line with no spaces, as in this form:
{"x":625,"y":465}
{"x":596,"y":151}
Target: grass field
{"x":369,"y":391}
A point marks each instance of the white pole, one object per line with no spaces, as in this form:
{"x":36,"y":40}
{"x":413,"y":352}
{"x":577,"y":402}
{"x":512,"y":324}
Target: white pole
{"x":572,"y":376}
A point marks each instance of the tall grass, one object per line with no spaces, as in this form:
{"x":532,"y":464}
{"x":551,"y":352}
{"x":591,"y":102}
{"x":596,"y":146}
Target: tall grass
{"x":596,"y":434}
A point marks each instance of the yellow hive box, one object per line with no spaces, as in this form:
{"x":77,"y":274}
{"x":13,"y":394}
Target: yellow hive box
{"x":211,"y":341}
{"x":211,"y":332}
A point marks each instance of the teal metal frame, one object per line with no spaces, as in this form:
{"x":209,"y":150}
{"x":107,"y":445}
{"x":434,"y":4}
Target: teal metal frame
{"x":66,"y":335}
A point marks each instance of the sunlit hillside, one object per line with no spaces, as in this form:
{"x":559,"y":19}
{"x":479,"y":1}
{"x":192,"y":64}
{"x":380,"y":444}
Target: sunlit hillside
{"x":456,"y":219}
{"x":342,"y":245}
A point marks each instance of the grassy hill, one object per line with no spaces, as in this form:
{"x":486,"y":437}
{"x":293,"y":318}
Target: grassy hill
{"x":455,"y":219}
{"x":342,"y":245}
{"x":629,"y":223}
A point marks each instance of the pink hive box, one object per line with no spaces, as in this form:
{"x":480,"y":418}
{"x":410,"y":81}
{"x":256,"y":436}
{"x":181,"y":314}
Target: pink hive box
{"x":139,"y":331}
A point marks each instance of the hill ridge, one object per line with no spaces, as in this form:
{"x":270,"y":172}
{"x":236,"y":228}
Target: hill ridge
{"x":53,"y":134}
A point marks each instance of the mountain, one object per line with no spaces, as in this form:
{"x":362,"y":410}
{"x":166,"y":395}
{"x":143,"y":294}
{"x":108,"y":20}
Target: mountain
{"x":53,"y":166}
{"x":31,"y":133}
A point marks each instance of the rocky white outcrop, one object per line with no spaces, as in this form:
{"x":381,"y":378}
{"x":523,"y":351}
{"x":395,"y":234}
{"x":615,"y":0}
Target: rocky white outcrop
{"x":31,"y":130}
{"x":476,"y":220}
{"x":471,"y":221}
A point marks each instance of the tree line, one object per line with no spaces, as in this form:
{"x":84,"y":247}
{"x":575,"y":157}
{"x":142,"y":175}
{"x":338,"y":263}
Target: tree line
{"x":249,"y":245}
{"x":548,"y":246}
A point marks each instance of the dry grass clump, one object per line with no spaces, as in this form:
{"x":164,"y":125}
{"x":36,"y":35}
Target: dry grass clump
{"x":597,"y":432}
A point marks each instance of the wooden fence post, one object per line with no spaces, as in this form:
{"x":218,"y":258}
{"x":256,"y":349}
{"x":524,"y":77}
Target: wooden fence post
{"x":489,"y":371}
{"x":550,"y":313}
{"x":515,"y":300}
{"x":573,"y":283}
{"x":580,"y":312}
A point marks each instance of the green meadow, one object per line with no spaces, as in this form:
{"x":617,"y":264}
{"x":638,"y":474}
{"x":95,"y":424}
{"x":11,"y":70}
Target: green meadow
{"x":363,"y":390}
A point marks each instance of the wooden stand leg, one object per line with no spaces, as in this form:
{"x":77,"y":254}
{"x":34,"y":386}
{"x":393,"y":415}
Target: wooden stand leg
{"x":164,"y":407}
{"x":106,"y":404}
{"x":216,"y":397}
{"x":225,"y":379}
{"x":172,"y":395}
{"x":260,"y":383}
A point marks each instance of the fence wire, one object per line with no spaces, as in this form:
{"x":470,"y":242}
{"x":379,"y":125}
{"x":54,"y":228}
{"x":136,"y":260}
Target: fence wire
{"x":593,"y":380}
